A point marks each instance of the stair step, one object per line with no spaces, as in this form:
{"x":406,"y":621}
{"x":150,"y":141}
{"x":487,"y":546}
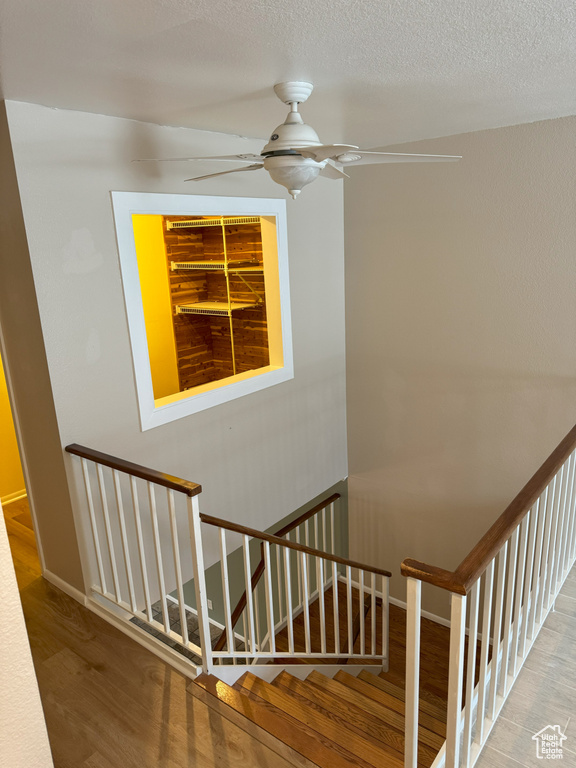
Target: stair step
{"x":394,"y":702}
{"x":306,"y":741}
{"x":429,"y":738}
{"x":372,"y":717}
{"x":322,"y":721}
{"x":354,"y":715}
{"x":429,"y":702}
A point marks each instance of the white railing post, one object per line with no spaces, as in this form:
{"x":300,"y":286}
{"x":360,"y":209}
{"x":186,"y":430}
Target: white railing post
{"x":200,"y":584}
{"x":413,"y":608}
{"x":455,"y":679}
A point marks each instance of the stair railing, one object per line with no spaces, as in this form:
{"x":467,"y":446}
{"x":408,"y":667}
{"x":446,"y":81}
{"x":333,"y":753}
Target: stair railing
{"x":295,"y":577}
{"x":315,"y":527}
{"x":139,"y":520}
{"x":501,"y":593}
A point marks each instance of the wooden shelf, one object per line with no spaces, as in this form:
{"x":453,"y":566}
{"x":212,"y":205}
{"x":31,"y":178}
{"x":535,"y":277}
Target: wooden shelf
{"x":214,"y":308}
{"x":246,"y":265}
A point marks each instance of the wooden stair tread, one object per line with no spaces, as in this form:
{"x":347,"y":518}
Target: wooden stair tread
{"x":366,"y":714}
{"x":394,"y":702}
{"x":354,"y":716}
{"x":306,"y":741}
{"x":425,"y":736}
{"x":322,"y":721}
{"x":429,"y":702}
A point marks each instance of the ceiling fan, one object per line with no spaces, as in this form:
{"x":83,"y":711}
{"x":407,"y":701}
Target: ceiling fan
{"x":294,"y":156}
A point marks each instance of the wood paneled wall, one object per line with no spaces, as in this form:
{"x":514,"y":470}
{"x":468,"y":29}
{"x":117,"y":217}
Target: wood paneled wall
{"x":203,"y":342}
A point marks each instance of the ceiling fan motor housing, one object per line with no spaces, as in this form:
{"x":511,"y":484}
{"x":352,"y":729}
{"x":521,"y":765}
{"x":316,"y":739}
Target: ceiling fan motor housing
{"x":293,"y":133}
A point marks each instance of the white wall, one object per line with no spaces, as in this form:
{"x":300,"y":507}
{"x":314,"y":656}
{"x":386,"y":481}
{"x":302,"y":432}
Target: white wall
{"x":461,"y":336}
{"x":23,"y":737}
{"x":257,"y":458}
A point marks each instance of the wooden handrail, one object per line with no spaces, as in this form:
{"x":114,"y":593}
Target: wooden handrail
{"x":259,"y":570}
{"x":478,"y":559}
{"x":151,"y":475}
{"x":218,"y":523}
{"x":306,"y":515}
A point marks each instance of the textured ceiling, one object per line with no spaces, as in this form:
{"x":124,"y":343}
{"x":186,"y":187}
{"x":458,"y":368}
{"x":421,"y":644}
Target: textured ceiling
{"x":384,"y":72}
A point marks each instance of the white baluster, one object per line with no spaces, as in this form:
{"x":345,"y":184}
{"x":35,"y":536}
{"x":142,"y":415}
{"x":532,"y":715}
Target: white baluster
{"x":108,"y":529}
{"x":158,"y":556}
{"x":361,"y":597}
{"x":519,"y":587}
{"x":332,"y":535}
{"x":200,"y":583}
{"x":177,"y":566}
{"x":373,"y":613}
{"x":249,"y":597}
{"x":546,"y":549}
{"x":305,"y":601}
{"x":470,"y":672}
{"x":124,"y":539}
{"x":541,"y":506}
{"x":230,"y":644}
{"x":335,"y":608}
{"x":503,"y":686}
{"x":498,"y":618}
{"x":528,"y":604}
{"x":289,"y":615}
{"x":269,"y":597}
{"x":552,"y":555}
{"x":385,"y":617}
{"x":321,"y":602}
{"x":349,"y":609}
{"x":141,"y":550}
{"x":483,"y":676}
{"x":455,"y":677}
{"x":94,"y":527}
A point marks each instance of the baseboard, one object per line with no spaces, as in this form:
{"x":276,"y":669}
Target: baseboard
{"x":16,"y":496}
{"x":65,"y":587}
{"x":164,"y":652}
{"x":424,"y":614}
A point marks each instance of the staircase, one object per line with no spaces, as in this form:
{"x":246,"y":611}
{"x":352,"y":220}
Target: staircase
{"x":339,"y":722}
{"x":312,"y":652}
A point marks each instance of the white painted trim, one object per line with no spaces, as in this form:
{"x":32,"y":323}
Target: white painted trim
{"x":71,"y":591}
{"x":23,"y":458}
{"x":16,"y":496}
{"x":125,"y":204}
{"x":164,"y":652}
{"x":424,"y":614}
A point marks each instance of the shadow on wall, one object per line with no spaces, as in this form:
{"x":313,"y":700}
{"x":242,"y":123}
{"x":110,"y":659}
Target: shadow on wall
{"x":443,"y":458}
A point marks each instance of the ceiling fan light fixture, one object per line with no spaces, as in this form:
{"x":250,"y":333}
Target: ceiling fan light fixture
{"x":292,"y":171}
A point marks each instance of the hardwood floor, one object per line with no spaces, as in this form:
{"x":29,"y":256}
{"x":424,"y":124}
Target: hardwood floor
{"x":110,"y":703}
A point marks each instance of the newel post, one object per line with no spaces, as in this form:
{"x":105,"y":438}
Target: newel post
{"x":413,"y":607}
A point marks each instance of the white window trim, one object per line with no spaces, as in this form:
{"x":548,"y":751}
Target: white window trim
{"x":125,"y":204}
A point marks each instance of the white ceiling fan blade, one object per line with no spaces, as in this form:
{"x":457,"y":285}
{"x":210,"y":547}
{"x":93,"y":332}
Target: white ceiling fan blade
{"x":362,"y":157}
{"x":255,"y":167}
{"x":333,"y":171}
{"x":246,"y":158}
{"x":325,"y":151}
